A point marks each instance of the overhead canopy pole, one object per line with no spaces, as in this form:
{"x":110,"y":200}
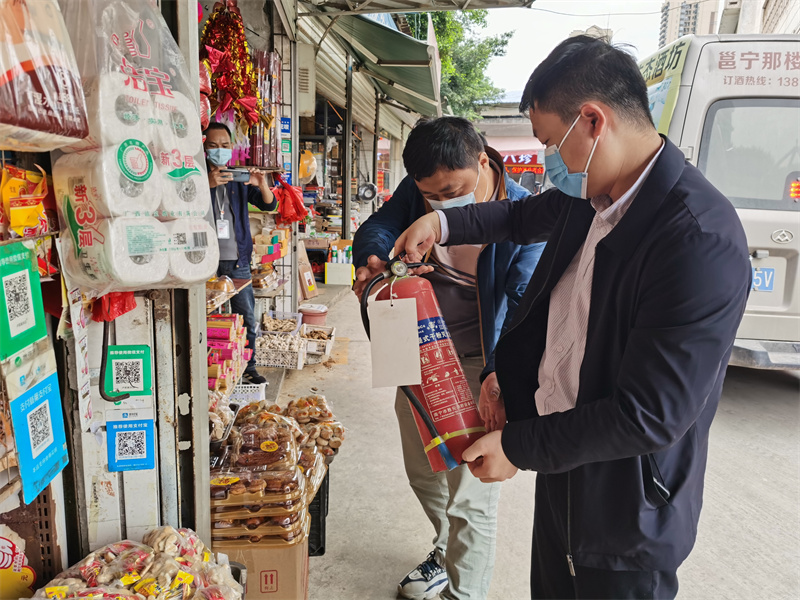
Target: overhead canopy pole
{"x":375,"y":146}
{"x":347,"y":151}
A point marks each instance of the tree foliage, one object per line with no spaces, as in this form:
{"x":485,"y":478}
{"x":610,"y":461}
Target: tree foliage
{"x":465,"y":57}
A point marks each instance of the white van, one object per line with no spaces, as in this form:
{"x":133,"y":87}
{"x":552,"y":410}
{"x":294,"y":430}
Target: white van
{"x":732,"y":104}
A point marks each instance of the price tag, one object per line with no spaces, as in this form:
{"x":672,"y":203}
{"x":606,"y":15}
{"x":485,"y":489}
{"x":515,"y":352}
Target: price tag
{"x":394,"y":343}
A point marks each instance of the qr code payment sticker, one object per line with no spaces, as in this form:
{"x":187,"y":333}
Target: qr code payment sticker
{"x":128,"y":375}
{"x":131,"y":445}
{"x":40,"y":428}
{"x":19,"y":302}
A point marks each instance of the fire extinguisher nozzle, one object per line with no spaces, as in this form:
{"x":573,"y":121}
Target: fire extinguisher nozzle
{"x":449,"y":461}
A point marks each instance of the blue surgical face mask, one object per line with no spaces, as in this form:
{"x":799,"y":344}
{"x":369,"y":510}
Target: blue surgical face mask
{"x":219,"y":156}
{"x":572,"y":184}
{"x":456,"y":202}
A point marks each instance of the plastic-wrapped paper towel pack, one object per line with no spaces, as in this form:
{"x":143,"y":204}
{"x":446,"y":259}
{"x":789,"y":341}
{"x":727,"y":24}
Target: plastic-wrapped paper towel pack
{"x":132,"y":194}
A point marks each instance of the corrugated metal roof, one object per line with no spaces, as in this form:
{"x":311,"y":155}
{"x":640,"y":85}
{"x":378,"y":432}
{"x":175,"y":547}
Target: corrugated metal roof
{"x":353,"y":7}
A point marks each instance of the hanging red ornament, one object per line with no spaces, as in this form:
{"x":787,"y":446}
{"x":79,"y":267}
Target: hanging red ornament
{"x":233,"y":79}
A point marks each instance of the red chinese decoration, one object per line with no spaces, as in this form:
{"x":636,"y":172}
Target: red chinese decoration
{"x":225,"y":51}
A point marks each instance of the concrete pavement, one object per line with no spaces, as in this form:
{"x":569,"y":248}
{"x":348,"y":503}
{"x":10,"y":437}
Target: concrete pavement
{"x":749,"y":535}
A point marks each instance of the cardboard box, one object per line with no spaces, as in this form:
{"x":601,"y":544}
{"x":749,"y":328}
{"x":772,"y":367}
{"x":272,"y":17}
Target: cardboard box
{"x":308,"y":285}
{"x":317,"y":243}
{"x":278,"y":573}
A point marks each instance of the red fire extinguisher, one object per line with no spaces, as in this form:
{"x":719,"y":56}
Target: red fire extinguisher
{"x":446,"y":412}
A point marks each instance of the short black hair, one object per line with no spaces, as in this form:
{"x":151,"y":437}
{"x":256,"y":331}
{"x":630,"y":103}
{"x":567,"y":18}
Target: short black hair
{"x":584,"y":68}
{"x":217,"y":125}
{"x":446,"y":142}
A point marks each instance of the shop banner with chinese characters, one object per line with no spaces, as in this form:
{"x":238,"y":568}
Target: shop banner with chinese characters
{"x":662,"y":74}
{"x":525,"y":162}
{"x":39,"y":435}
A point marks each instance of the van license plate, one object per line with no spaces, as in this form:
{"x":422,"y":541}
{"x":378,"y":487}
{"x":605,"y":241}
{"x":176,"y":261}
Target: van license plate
{"x":763,"y":279}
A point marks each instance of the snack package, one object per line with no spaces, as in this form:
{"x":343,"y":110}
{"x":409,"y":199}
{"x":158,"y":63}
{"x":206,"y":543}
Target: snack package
{"x":175,"y":567}
{"x":309,"y":409}
{"x":230,"y":487}
{"x":42,"y":105}
{"x":26,"y":211}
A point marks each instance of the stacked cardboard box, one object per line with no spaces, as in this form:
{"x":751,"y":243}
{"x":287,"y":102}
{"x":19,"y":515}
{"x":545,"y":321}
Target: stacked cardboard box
{"x":269,"y":246}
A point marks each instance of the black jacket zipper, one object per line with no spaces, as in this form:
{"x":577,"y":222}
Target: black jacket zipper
{"x":569,"y":525}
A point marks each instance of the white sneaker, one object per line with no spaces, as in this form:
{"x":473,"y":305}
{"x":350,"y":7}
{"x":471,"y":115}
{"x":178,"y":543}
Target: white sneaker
{"x":425,"y":582}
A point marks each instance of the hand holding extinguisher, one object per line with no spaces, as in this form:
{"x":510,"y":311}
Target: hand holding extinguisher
{"x":445,"y":411}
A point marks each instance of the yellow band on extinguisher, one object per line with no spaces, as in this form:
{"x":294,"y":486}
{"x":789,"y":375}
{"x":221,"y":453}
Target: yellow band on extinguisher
{"x":446,"y":436}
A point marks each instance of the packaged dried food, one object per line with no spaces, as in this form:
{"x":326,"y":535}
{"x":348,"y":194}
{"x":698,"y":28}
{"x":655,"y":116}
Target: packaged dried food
{"x":285,"y":527}
{"x":271,"y":323}
{"x":315,"y":476}
{"x":242,"y":519}
{"x":223,"y":283}
{"x":268,"y":508}
{"x":126,"y":569}
{"x":229,"y":488}
{"x":175,"y":567}
{"x":231,"y":544}
{"x":309,"y":409}
{"x":217,"y":592}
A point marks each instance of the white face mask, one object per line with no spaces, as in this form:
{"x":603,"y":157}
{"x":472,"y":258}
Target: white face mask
{"x":456,"y":202}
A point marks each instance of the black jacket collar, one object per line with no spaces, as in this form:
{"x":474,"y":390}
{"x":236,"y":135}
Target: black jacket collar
{"x":625,"y":237}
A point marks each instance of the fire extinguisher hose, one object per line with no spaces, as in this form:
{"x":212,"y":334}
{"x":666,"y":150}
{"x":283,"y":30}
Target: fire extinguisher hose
{"x":400,"y":269}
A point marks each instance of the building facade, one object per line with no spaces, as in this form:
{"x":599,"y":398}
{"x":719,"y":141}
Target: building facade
{"x":680,"y":17}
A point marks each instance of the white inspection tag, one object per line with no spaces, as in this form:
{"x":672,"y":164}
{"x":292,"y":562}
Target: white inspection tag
{"x":395,"y":343}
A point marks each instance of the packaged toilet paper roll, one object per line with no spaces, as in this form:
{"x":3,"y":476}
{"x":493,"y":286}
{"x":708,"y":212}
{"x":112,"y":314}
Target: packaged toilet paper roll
{"x":194,"y":252}
{"x":126,"y":253}
{"x":118,"y":109}
{"x":114,"y":181}
{"x":178,"y":124}
{"x":185,"y":191}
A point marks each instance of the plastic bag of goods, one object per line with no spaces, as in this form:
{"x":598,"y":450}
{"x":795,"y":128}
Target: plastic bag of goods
{"x":133,"y":194}
{"x":41,"y":100}
{"x":171,"y":564}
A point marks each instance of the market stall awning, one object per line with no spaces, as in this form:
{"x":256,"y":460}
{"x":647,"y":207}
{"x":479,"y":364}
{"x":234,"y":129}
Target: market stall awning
{"x":352,"y":7}
{"x":403,"y":68}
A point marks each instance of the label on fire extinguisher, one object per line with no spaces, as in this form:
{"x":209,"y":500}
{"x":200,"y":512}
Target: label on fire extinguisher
{"x":395,"y":354}
{"x":442,"y":377}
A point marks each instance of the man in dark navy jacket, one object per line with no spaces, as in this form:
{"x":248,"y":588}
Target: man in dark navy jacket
{"x":229,"y":201}
{"x":612,"y":369}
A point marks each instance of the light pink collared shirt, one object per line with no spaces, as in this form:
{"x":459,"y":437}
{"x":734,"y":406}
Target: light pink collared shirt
{"x":568,"y":320}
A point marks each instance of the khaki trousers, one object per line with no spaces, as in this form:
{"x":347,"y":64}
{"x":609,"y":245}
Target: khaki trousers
{"x":462,"y":509}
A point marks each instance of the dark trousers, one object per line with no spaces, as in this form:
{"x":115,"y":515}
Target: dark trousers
{"x":243,"y":303}
{"x":550,"y":574}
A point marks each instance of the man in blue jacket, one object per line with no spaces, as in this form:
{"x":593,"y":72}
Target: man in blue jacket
{"x":478,"y":289}
{"x":613,"y":367}
{"x":229,"y":200}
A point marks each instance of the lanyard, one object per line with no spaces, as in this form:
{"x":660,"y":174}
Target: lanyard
{"x":220,"y":210}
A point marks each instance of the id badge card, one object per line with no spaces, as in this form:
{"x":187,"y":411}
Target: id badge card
{"x":223,"y":229}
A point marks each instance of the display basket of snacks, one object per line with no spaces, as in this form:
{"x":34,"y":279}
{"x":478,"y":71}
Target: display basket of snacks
{"x":249,"y":392}
{"x":284,"y":351}
{"x":319,"y":339}
{"x":281,"y":322}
